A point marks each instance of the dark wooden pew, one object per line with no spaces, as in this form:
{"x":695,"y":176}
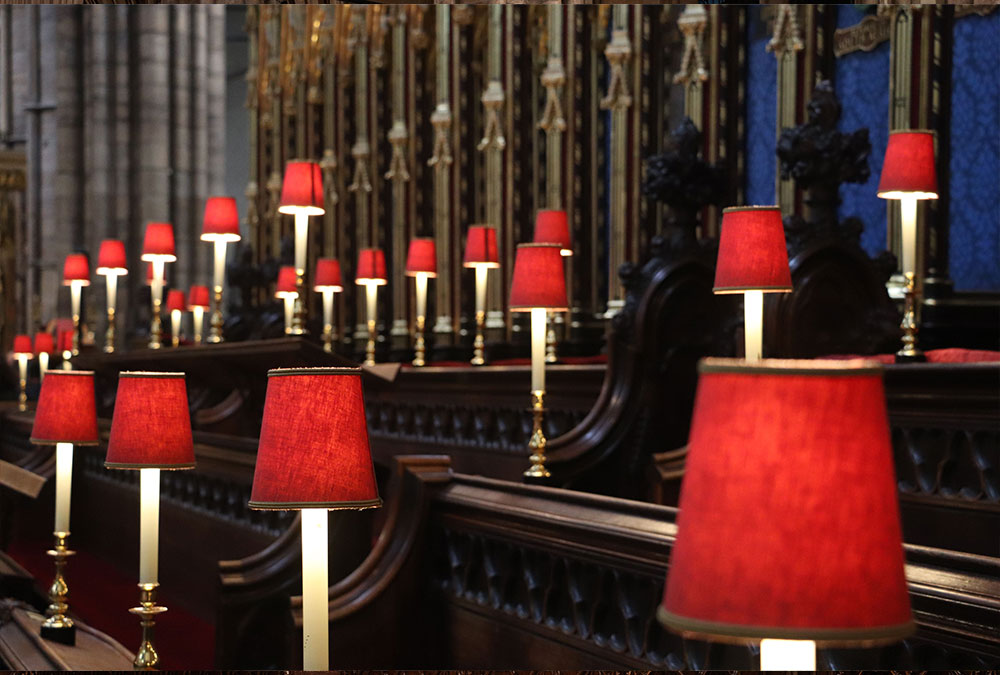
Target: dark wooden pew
{"x":471,"y":572}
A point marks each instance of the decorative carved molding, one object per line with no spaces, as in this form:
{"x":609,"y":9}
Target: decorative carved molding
{"x":553,"y":79}
{"x":398,"y":136}
{"x":360,"y":152}
{"x":441,"y":157}
{"x":328,"y":165}
{"x":865,"y":36}
{"x":692,"y":23}
{"x":787,"y":37}
{"x":618,"y":52}
{"x":493,"y":100}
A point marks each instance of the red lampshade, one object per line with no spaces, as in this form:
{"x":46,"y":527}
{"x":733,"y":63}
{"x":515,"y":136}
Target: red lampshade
{"x":787,"y":461}
{"x":908,"y":169}
{"x":481,"y":247}
{"x":151,"y":425}
{"x":422,"y":257}
{"x":539,"y":279}
{"x":221,"y":221}
{"x":371,"y":267}
{"x":22,"y":345}
{"x":286,"y":282}
{"x":302,"y":189}
{"x":752,"y":253}
{"x":313,"y":450}
{"x":327,"y":275}
{"x":66,"y":411}
{"x":552,"y":227}
{"x":159,"y":242}
{"x":76,"y":269}
{"x":175,"y":300}
{"x":111,"y":258}
{"x":65,"y":340}
{"x":44,"y":344}
{"x":198,"y":297}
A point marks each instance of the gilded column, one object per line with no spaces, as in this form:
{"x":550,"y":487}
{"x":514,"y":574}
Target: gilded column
{"x":441,"y":161}
{"x":785,"y":42}
{"x":618,"y":100}
{"x":492,"y":145}
{"x":361,"y":185}
{"x":399,"y":175}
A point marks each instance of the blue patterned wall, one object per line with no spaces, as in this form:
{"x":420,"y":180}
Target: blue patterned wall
{"x":762,"y":80}
{"x":862,"y":86}
{"x":974,"y":209}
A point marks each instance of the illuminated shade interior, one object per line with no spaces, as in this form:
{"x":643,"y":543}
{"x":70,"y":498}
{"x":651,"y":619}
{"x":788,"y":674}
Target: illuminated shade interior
{"x":552,"y":227}
{"x":327,"y":275}
{"x":176,"y":301}
{"x":286,"y":282}
{"x":908,"y":169}
{"x":752,"y":252}
{"x":159,"y":242}
{"x":787,"y":461}
{"x":111,"y":258}
{"x":481,"y":247}
{"x":221,"y":221}
{"x":302,"y":189}
{"x":371,"y":267}
{"x":76,"y":269}
{"x":539,"y":280}
{"x":313,"y":450}
{"x":421,"y":258}
{"x":198,"y":296}
{"x":151,"y":424}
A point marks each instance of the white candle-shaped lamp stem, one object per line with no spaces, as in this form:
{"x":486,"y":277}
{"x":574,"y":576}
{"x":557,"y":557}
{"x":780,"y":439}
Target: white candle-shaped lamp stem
{"x":67,"y":355}
{"x":175,"y":326}
{"x":421,"y":289}
{"x":157,"y":286}
{"x":481,"y":272}
{"x":43,"y":365}
{"x":64,"y":485}
{"x":788,"y":655}
{"x":538,"y":316}
{"x":289,"y":311}
{"x":149,"y":525}
{"x":908,"y":228}
{"x":219,"y":271}
{"x":315,"y":590}
{"x":371,"y":297}
{"x":112,"y":286}
{"x":328,"y":309}
{"x":301,"y":237}
{"x":22,"y":371}
{"x":198,"y":316}
{"x":76,"y":291}
{"x":753,"y":324}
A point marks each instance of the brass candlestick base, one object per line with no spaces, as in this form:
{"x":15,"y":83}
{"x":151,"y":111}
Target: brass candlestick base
{"x":298,"y":307}
{"x":109,"y":336}
{"x":156,"y":328}
{"x":910,"y":352}
{"x":537,"y":442}
{"x":550,"y":340}
{"x":419,"y":347}
{"x":22,"y":396}
{"x":215,"y":324}
{"x":328,"y":338}
{"x":147,"y":658}
{"x":58,"y":627}
{"x":76,"y":335}
{"x":478,"y":346}
{"x":370,"y":347}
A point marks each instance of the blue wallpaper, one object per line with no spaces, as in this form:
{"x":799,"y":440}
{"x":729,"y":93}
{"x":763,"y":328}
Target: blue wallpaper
{"x":862,"y":86}
{"x":762,"y":79}
{"x":974,"y":209}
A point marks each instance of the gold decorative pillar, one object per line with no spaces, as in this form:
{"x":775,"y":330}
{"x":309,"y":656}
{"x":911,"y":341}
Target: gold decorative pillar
{"x":785,"y":42}
{"x":692,"y":73}
{"x":361,"y":186}
{"x":441,"y":161}
{"x":399,"y":175}
{"x":618,"y":101}
{"x":493,"y":144}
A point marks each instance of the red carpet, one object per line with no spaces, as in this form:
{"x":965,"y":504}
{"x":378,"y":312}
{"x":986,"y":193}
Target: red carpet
{"x":101,"y":594}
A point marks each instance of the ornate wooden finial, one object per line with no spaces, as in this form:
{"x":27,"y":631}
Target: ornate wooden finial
{"x":328,"y":165}
{"x":441,"y":121}
{"x":692,"y":23}
{"x":787,"y":36}
{"x":360,"y":152}
{"x":618,"y":52}
{"x":493,"y":100}
{"x":397,"y":164}
{"x":553,"y":79}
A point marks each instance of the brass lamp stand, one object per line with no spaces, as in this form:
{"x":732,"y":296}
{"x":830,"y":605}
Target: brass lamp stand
{"x":58,"y":627}
{"x":537,"y":441}
{"x":147,"y":611}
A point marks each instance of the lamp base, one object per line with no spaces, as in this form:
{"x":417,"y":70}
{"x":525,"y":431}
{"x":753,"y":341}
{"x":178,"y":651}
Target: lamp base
{"x":58,"y":627}
{"x":910,"y":353}
{"x":537,"y":473}
{"x":147,"y":658}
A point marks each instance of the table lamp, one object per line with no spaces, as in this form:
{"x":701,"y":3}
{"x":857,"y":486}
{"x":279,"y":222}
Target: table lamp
{"x":301,"y":196}
{"x":111,"y":265}
{"x":481,"y":255}
{"x":538,"y":286}
{"x":787,"y":461}
{"x":23,"y":352}
{"x":327,"y":281}
{"x":66,"y":415}
{"x":752,"y":260}
{"x":158,"y":249}
{"x":314,"y":456}
{"x":198,"y":303}
{"x":65,"y":345}
{"x":44,"y":345}
{"x":552,"y":227}
{"x":220,"y":225}
{"x":175,"y":305}
{"x":285,"y":289}
{"x":371,"y":275}
{"x":909,"y":175}
{"x":76,"y":275}
{"x":421,"y":264}
{"x":150,"y":431}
